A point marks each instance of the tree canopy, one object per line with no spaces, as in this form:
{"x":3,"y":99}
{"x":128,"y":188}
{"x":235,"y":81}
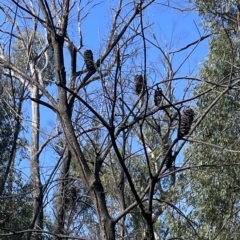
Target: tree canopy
{"x":109,"y":129}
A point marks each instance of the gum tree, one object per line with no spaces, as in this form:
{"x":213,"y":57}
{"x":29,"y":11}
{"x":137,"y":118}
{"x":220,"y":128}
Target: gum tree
{"x":212,"y":192}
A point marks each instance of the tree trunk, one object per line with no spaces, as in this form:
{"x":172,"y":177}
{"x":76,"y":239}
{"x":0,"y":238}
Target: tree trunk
{"x":61,"y":198}
{"x":91,"y":181}
{"x":34,"y":165}
{"x":149,"y":232}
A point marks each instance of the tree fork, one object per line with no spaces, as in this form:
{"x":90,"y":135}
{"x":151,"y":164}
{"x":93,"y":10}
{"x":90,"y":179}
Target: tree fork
{"x":96,"y":188}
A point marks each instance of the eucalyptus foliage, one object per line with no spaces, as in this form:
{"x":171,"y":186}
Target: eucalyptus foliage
{"x":210,"y":191}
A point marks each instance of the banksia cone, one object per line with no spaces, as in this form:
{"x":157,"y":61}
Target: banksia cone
{"x":88,"y":58}
{"x":186,"y":122}
{"x":168,"y":158}
{"x":140,"y":84}
{"x":158,"y":97}
{"x":73,"y":193}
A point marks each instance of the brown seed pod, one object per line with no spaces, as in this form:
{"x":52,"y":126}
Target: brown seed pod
{"x":158,"y":97}
{"x":73,"y":193}
{"x":140,"y":84}
{"x":168,"y":157}
{"x":186,"y":122}
{"x":88,"y":58}
{"x":71,"y":196}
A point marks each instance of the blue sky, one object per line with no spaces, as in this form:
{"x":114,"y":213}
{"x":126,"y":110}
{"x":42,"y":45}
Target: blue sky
{"x":172,"y":28}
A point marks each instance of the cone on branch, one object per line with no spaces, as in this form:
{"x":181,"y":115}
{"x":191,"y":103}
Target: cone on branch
{"x":168,"y":157}
{"x":140,"y":84}
{"x":73,"y":194}
{"x":158,"y":97}
{"x":88,"y":58}
{"x":71,"y":197}
{"x":186,"y":122}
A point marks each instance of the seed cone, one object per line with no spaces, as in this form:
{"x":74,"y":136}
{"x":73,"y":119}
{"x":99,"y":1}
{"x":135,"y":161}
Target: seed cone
{"x":186,"y":122}
{"x":88,"y":58}
{"x":73,"y":193}
{"x":140,"y":84}
{"x":158,"y":97}
{"x":168,"y":159}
